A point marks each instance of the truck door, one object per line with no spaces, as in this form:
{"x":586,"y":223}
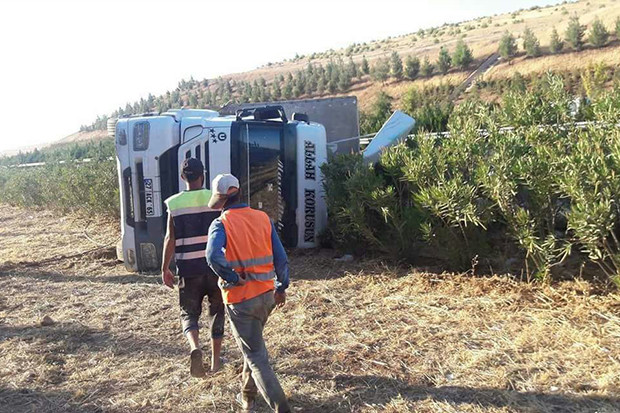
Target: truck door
{"x":257,"y":161}
{"x":212,"y":147}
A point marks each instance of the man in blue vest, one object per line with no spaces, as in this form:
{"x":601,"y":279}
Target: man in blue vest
{"x":189,"y":218}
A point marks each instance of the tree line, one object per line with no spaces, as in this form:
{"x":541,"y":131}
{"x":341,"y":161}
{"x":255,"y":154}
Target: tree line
{"x":574,"y":39}
{"x":99,"y":150}
{"x":338,"y":75}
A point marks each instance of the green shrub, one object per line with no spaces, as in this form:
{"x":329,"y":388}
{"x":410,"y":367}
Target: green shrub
{"x":380,"y":70}
{"x":444,"y":61}
{"x":530,"y":43}
{"x":412,"y":67}
{"x":427,"y":67}
{"x":507,"y":46}
{"x":556,"y":45}
{"x":90,"y":187}
{"x":429,"y":106}
{"x":574,"y":33}
{"x":541,"y":190}
{"x":396,"y":66}
{"x":379,"y":112}
{"x":462,"y":56}
{"x":598,"y":34}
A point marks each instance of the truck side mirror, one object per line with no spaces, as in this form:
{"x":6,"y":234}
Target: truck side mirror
{"x":301,"y":117}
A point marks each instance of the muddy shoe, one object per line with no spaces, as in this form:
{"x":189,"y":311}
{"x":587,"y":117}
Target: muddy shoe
{"x":245,"y":406}
{"x":197,"y":369}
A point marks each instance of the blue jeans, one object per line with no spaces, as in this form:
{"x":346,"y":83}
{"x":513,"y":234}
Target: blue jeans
{"x":247,"y":320}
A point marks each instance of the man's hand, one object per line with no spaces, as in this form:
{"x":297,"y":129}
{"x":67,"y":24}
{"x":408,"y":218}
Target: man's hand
{"x":167,"y":278}
{"x":280,"y":299}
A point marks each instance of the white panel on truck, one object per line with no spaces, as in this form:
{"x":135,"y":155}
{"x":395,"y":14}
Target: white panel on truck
{"x":311,"y":208}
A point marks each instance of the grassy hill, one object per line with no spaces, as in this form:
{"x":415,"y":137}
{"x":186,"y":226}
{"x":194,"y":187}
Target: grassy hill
{"x":482,"y":35}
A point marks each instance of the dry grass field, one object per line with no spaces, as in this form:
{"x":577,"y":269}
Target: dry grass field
{"x":363,"y":336}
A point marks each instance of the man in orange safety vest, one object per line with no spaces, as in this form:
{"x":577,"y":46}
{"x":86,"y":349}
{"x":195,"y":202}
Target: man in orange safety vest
{"x":245,"y":251}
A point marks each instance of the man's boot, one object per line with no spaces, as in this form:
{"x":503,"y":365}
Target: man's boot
{"x":196,"y":369}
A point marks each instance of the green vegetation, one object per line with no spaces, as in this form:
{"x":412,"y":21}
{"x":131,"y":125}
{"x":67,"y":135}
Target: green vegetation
{"x":83,"y":187}
{"x":82,"y":150}
{"x":381,"y":70}
{"x":543,"y":194}
{"x":556,"y":45}
{"x":365,"y":68}
{"x":396,"y":66}
{"x":381,"y":109}
{"x":444,"y":61}
{"x":598,"y":34}
{"x":507,"y":46}
{"x":412,"y":67}
{"x":574,"y":33}
{"x":427,"y":68}
{"x":462,"y":56}
{"x":430,"y":106}
{"x":334,"y":75}
{"x":531,"y":45}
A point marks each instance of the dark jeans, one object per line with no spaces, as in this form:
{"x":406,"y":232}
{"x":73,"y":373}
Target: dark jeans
{"x":190,"y":300}
{"x":247,"y":320}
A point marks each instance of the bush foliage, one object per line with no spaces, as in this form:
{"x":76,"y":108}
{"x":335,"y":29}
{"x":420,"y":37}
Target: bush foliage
{"x":84,"y":187}
{"x":543,"y":190}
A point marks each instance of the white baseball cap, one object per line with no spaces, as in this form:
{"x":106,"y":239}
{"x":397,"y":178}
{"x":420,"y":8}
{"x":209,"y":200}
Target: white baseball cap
{"x":219,"y":188}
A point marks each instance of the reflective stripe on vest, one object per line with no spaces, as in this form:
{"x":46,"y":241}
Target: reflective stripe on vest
{"x":191,"y":217}
{"x":249,"y":252}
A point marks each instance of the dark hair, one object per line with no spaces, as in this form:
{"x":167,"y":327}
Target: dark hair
{"x":192,"y":179}
{"x":233,"y":199}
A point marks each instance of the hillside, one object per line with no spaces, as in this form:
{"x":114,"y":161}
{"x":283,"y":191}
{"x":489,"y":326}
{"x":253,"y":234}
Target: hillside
{"x":481,"y":35}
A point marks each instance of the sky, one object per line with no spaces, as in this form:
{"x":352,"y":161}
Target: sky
{"x":65,"y":62}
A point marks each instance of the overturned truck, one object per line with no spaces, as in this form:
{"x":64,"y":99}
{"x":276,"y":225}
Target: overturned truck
{"x":276,"y":159}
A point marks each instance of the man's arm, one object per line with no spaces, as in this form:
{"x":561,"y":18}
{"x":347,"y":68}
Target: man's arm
{"x":280,"y":261}
{"x":166,"y":275}
{"x":215,"y":256}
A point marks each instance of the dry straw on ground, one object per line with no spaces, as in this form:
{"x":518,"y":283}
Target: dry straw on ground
{"x":354,"y":337}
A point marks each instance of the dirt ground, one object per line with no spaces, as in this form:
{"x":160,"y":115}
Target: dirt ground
{"x":364,"y":336}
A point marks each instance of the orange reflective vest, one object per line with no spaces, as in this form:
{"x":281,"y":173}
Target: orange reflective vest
{"x":248,"y":252}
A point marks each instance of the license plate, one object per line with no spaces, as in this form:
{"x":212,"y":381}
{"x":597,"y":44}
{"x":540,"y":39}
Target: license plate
{"x":148,"y":197}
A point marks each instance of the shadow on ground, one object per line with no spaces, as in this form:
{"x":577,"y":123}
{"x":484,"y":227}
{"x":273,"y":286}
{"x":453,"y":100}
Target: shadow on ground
{"x":71,"y":338}
{"x":128,"y":278}
{"x":22,"y":400}
{"x":377,"y":390}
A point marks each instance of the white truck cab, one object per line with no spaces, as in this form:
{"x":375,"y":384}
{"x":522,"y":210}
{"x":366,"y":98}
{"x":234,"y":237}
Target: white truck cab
{"x":276,"y":160}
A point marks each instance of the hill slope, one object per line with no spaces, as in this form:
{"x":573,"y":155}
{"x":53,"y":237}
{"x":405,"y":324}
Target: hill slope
{"x":482,"y":35}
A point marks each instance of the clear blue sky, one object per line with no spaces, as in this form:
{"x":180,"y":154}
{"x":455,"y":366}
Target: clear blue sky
{"x":65,"y":62}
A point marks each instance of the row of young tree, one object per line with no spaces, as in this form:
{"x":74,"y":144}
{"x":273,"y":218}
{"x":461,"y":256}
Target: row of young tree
{"x":384,"y":68}
{"x":574,"y":38}
{"x":312,"y":81}
{"x":98,"y":151}
{"x":337,"y":76}
{"x":315,"y":80}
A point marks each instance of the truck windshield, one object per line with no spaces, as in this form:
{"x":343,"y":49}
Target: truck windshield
{"x":261,"y":149}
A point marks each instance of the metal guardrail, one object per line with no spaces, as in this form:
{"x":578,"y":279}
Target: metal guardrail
{"x":366,"y":139}
{"x":36,"y":164}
